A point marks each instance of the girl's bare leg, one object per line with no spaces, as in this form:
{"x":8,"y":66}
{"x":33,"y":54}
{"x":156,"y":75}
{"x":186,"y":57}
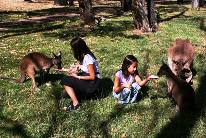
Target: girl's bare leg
{"x":71,"y":93}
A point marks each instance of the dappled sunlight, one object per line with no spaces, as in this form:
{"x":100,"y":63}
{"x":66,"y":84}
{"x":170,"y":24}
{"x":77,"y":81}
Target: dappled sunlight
{"x":27,"y":113}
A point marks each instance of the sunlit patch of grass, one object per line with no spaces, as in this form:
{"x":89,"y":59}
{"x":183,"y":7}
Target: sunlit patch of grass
{"x":39,"y":113}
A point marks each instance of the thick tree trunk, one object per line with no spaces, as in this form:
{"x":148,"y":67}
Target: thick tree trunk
{"x":126,"y":5}
{"x":144,"y":15}
{"x":202,"y":3}
{"x":152,"y":16}
{"x":179,"y":1}
{"x":140,"y":18}
{"x":86,"y":12}
{"x":61,"y":2}
{"x":71,"y":2}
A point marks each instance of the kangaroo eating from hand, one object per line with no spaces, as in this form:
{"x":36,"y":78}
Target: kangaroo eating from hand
{"x":36,"y":62}
{"x":181,"y":91}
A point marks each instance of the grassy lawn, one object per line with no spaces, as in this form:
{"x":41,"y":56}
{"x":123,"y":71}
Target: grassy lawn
{"x":24,"y":113}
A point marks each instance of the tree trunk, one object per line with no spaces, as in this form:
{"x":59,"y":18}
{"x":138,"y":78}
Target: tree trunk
{"x":195,"y":4}
{"x":152,"y":16}
{"x":202,"y":3}
{"x":179,"y":1}
{"x":140,"y":18}
{"x":126,"y":5}
{"x":144,"y":15}
{"x":86,"y":12}
{"x":71,"y":2}
{"x":61,"y":2}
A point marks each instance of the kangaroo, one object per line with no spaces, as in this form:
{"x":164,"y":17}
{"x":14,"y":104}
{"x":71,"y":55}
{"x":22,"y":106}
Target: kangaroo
{"x":36,"y":62}
{"x":181,"y":52}
{"x":181,"y":91}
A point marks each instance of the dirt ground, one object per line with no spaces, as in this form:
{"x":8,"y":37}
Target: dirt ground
{"x":21,"y":5}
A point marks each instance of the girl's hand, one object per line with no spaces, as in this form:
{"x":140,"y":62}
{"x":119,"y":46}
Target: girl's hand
{"x":62,"y":70}
{"x":127,"y":85}
{"x":73,"y":75}
{"x":74,"y":69}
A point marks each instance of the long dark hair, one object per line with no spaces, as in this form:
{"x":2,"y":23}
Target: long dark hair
{"x":128,"y":60}
{"x":80,"y":48}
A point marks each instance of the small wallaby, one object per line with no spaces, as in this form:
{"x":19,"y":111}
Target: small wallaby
{"x":181,"y":91}
{"x":36,"y":62}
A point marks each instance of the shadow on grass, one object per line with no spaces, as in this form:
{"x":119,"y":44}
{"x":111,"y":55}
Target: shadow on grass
{"x":182,"y":124}
{"x":13,"y":127}
{"x":42,"y":20}
{"x":112,"y":29}
{"x":203,"y":24}
{"x":171,"y":9}
{"x":117,"y":112}
{"x":105,"y":89}
{"x":52,"y":78}
{"x":55,"y":95}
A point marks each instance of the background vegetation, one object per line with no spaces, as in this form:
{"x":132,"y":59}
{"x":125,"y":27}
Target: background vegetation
{"x":24,"y":113}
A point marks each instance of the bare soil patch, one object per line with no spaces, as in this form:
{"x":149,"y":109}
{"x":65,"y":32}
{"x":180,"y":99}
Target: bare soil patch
{"x":21,"y":5}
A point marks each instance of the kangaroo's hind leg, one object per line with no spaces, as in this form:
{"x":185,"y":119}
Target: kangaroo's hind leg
{"x":22,"y":78}
{"x":31,"y":74}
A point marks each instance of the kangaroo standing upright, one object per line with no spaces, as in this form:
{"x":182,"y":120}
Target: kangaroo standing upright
{"x":181,"y":52}
{"x":181,"y":91}
{"x":180,"y":57}
{"x":36,"y":62}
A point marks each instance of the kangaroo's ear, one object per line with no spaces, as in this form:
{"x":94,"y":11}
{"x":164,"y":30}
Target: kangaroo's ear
{"x":54,"y":54}
{"x":60,"y":53}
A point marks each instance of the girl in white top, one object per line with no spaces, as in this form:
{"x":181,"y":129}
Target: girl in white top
{"x":86,"y":80}
{"x":127,"y":82}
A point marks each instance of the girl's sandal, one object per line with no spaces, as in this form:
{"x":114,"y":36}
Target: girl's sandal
{"x":71,"y":108}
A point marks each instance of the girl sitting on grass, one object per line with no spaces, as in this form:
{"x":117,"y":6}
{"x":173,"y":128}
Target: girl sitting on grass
{"x":127,"y":82}
{"x":85,"y":79}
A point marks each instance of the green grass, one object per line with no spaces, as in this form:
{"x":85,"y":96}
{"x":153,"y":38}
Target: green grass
{"x":23,"y":114}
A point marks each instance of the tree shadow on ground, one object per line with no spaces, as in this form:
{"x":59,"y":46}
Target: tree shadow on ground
{"x":104,"y":90}
{"x":112,"y":29}
{"x":171,"y":9}
{"x":117,"y":112}
{"x":52,"y":78}
{"x":165,"y":2}
{"x":42,"y":21}
{"x":13,"y":127}
{"x":55,"y":95}
{"x":202,"y":24}
{"x":181,"y":124}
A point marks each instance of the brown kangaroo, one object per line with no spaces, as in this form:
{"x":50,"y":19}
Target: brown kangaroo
{"x":181,"y":91}
{"x":36,"y":62}
{"x":182,"y":52}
